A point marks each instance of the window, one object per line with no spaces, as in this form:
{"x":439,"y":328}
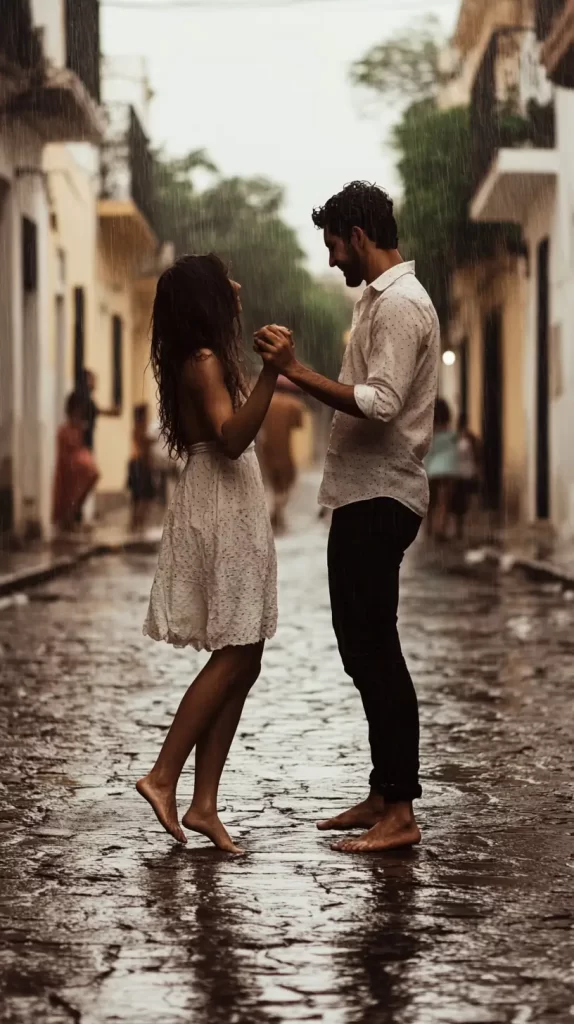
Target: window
{"x":117,"y":361}
{"x":29,"y":255}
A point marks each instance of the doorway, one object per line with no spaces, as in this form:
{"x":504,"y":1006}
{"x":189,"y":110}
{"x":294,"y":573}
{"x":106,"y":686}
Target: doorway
{"x":492,"y":410}
{"x":6,"y":365}
{"x":79,"y":335}
{"x":463,"y":379}
{"x":542,"y":384}
{"x":31,"y":432}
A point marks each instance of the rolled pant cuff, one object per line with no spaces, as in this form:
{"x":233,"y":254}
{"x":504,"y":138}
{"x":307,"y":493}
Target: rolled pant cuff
{"x":396,"y":793}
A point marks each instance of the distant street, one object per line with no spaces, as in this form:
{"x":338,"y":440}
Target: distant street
{"x":103,"y":918}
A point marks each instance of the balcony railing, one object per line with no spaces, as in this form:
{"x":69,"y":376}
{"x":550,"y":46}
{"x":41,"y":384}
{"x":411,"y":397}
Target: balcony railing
{"x":512,"y":104}
{"x":545,"y":12}
{"x":126,"y":167}
{"x":83,"y":42}
{"x":19,"y":43}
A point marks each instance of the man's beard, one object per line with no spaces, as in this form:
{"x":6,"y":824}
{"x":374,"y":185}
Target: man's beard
{"x":352,"y":271}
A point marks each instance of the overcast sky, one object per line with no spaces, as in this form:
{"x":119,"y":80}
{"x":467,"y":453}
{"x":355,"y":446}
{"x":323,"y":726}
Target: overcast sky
{"x":267,"y":91}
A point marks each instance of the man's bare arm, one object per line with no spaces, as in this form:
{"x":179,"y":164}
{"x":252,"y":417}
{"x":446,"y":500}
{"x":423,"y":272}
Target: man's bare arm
{"x":330,"y":392}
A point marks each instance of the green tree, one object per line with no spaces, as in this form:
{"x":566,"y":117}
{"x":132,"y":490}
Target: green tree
{"x":240,"y":219}
{"x":434,"y":150}
{"x":406,"y":67}
{"x":435,"y":163}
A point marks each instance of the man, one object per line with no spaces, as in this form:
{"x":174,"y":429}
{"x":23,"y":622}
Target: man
{"x":285,"y":415}
{"x":86,"y":388}
{"x":375,"y":482}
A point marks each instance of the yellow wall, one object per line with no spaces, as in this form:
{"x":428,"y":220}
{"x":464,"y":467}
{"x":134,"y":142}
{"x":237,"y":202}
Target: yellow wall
{"x":143,"y":383}
{"x":108,"y":274}
{"x":73,"y":208}
{"x":113,"y":434}
{"x":476,"y":291}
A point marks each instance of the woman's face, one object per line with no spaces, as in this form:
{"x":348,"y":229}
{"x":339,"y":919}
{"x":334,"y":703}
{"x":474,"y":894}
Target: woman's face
{"x":237,"y":289}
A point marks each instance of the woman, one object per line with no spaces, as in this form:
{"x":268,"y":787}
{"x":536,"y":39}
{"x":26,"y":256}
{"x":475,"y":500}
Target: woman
{"x":215,"y":586}
{"x":441,"y":466}
{"x":76,"y":472}
{"x":285,"y":415}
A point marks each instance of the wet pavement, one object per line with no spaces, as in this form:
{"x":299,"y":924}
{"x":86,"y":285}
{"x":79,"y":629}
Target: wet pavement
{"x":103,"y":918}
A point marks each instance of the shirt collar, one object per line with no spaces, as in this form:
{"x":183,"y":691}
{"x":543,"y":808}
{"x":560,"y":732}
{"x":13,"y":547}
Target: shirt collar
{"x":380,"y":284}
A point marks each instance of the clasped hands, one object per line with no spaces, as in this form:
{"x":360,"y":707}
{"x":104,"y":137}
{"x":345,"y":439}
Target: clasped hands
{"x":276,"y":347}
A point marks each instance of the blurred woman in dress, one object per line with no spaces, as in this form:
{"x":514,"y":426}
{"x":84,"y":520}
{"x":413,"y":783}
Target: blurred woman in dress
{"x":76,"y":472}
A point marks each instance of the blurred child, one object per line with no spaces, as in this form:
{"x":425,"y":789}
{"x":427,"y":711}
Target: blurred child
{"x":441,"y":467}
{"x":467,"y":474}
{"x":140,"y":473}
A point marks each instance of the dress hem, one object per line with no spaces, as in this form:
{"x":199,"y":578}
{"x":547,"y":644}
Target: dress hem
{"x":200,"y":645}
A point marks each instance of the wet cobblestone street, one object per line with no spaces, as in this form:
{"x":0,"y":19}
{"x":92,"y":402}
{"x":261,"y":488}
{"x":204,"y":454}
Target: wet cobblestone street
{"x":104,"y":919}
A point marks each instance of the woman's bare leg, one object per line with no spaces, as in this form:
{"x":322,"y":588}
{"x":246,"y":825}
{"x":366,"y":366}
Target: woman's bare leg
{"x":83,"y":497}
{"x":203,"y":700}
{"x":210,"y":756}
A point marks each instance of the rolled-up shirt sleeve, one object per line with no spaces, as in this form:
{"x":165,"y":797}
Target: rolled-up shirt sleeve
{"x":397,"y":331}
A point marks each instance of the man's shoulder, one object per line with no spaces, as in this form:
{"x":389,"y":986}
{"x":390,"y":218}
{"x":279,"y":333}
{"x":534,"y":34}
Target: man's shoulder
{"x":406,"y":294}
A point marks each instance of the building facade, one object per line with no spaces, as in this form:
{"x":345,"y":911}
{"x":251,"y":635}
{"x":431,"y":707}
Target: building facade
{"x":512,"y":315}
{"x":49,"y":92}
{"x":529,"y":183}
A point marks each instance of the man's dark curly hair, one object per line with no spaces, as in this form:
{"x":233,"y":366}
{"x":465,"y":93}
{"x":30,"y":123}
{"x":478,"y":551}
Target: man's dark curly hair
{"x":363,"y":205}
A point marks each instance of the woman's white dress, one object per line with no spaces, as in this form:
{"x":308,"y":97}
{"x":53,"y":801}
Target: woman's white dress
{"x":216,"y":579}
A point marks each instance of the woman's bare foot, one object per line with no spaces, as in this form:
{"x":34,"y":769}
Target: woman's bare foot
{"x":162,"y":800}
{"x":209,"y":825}
{"x":397,"y":828}
{"x":363,"y":815}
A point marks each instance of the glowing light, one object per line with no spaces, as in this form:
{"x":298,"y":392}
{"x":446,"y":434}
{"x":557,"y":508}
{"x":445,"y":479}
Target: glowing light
{"x":449,"y":357}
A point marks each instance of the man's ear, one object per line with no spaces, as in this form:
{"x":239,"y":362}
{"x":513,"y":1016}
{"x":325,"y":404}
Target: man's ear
{"x":358,"y":238}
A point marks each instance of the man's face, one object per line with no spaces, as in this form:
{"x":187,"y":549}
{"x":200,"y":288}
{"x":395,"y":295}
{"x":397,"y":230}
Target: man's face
{"x":346,"y":257}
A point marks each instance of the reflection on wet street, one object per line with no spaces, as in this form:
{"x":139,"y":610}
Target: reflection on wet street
{"x":104,"y":919}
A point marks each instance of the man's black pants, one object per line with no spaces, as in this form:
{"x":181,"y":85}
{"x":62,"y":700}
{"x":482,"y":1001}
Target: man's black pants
{"x":367,"y":542}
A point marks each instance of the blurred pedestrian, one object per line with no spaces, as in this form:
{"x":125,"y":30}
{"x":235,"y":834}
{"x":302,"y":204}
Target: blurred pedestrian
{"x":285,"y":415}
{"x":467,"y":482}
{"x":76,"y":473}
{"x":85,"y":389}
{"x":163,"y":468}
{"x":441,"y":466}
{"x":215,"y":587}
{"x":376,"y":484}
{"x":140,"y":472}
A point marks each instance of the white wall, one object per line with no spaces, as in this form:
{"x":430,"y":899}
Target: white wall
{"x":27,"y":427}
{"x":49,"y":16}
{"x":553,"y":216}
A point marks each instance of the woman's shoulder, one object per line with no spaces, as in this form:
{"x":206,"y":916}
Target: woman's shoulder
{"x":202,"y":368}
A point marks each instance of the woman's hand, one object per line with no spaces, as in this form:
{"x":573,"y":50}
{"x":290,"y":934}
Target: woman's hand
{"x":276,"y":347}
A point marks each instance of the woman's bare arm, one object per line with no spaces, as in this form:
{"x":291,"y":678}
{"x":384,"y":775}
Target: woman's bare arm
{"x":233,"y":429}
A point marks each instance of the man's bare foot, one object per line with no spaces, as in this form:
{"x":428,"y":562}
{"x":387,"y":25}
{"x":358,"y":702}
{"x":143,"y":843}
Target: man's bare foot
{"x":395,"y":830}
{"x":209,"y":825}
{"x":363,"y":815}
{"x":162,"y":800}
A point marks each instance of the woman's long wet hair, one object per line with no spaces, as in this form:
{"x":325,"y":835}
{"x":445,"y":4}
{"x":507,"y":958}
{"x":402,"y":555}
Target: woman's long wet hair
{"x":195,"y":307}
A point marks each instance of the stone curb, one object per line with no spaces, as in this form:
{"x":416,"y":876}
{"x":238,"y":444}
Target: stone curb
{"x":10,"y":583}
{"x":533,"y":568}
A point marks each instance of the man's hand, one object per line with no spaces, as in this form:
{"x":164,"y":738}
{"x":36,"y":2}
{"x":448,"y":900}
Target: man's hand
{"x":275,"y":346}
